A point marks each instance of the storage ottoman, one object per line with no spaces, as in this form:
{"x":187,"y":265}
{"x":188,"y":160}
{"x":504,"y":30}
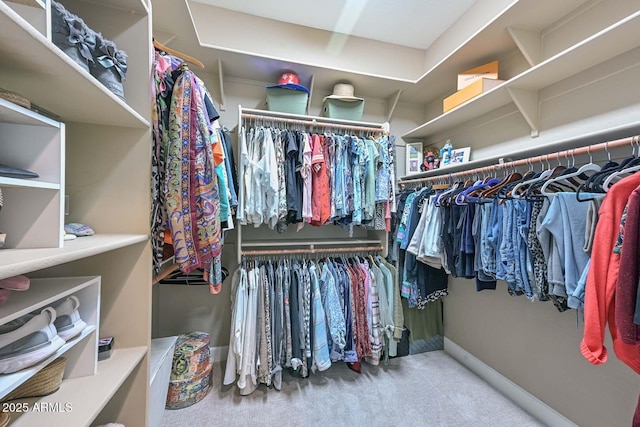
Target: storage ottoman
{"x":191,"y":370}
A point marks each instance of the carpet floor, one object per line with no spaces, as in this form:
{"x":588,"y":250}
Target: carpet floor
{"x":427,"y":389}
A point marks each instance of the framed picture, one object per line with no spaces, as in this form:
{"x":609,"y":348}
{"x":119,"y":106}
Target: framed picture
{"x":458,"y":156}
{"x":414,"y":158}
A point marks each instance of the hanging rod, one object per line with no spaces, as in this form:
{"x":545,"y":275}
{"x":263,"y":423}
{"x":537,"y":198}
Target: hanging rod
{"x":313,"y":251}
{"x":587,"y":149}
{"x":247,"y":113}
{"x":313,"y":243}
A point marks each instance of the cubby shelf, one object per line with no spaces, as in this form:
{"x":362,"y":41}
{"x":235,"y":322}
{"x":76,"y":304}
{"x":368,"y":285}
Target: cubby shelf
{"x":10,"y":382}
{"x":25,"y":183}
{"x":14,"y":113}
{"x":80,"y":137}
{"x":21,"y":261}
{"x":46,"y":76}
{"x":40,"y":4}
{"x":42,"y":292}
{"x":87,"y":395}
{"x":81,"y":351}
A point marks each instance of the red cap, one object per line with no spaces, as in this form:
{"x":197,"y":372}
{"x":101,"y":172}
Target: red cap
{"x":288,"y":78}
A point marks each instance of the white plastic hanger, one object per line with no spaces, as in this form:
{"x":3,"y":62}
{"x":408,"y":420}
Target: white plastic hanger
{"x":589,"y":167}
{"x":615,"y":175}
{"x":514,"y":191}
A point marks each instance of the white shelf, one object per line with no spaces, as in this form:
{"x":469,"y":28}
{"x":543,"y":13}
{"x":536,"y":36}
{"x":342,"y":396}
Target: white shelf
{"x":489,"y":43}
{"x":33,"y":3}
{"x":25,"y":183}
{"x":87,"y":395}
{"x":42,"y":73}
{"x":602,"y":46}
{"x":10,"y":382}
{"x":137,"y":6}
{"x":20,"y":261}
{"x":14,"y":113}
{"x":41,"y":293}
{"x":484,"y":103}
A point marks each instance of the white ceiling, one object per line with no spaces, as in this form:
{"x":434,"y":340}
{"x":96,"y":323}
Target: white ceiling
{"x":412,"y":23}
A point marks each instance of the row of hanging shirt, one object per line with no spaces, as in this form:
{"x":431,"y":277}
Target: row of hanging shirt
{"x":529,"y":230}
{"x":564,"y":234}
{"x":305,"y":315}
{"x":296,"y":177}
{"x":194,"y":181}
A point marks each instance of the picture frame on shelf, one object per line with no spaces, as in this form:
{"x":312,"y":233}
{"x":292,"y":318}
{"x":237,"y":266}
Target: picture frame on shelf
{"x":413,"y":158}
{"x":458,"y":156}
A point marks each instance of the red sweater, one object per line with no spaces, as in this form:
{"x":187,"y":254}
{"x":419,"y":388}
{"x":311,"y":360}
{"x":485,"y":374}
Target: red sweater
{"x":602,"y":279}
{"x":629,"y":274}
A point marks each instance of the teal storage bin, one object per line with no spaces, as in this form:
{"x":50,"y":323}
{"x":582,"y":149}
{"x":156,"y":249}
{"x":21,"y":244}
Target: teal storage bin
{"x":287,"y":100}
{"x":345,"y":110}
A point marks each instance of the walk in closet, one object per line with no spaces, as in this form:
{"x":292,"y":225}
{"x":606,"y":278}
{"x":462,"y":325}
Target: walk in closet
{"x":569,"y":70}
{"x":568,"y":97}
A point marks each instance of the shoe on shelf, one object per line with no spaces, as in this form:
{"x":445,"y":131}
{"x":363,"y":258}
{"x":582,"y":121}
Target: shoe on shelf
{"x":4,"y":296}
{"x":68,"y":321}
{"x":15,"y":283}
{"x":28,"y":340}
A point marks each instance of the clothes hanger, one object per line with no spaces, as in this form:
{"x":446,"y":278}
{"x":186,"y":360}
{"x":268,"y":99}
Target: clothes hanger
{"x":472,"y":195}
{"x":461,"y":197}
{"x":533,"y":191}
{"x":519,"y":191}
{"x":452,"y":188}
{"x":195,"y":277}
{"x":464,"y":186}
{"x":594,"y":184}
{"x":159,"y":46}
{"x":505,"y":192}
{"x":615,"y":176}
{"x":512,"y":177}
{"x":548,"y":187}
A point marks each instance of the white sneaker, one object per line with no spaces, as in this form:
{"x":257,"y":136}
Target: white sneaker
{"x":68,"y":321}
{"x":28,"y":342}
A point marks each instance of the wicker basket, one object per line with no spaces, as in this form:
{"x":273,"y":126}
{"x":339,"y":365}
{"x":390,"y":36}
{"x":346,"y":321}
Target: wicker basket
{"x":45,"y":382}
{"x":15,"y":98}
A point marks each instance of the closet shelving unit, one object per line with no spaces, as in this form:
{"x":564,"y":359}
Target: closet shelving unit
{"x":314,"y":123}
{"x":81,"y":350}
{"x":33,"y":211}
{"x":95,"y":151}
{"x":552,"y":52}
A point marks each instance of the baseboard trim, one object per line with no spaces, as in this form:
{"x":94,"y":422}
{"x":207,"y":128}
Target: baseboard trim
{"x":218,"y":354}
{"x":504,"y":385}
